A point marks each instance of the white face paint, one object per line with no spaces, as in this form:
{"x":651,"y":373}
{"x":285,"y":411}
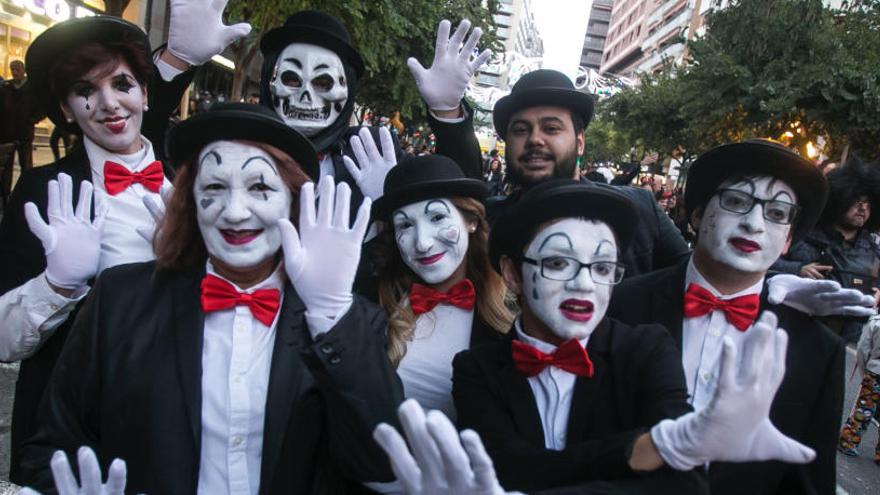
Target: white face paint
{"x":432,"y":238}
{"x":745,"y":242}
{"x":570,"y":309}
{"x":239,"y":198}
{"x":109,"y":109}
{"x":309,"y":87}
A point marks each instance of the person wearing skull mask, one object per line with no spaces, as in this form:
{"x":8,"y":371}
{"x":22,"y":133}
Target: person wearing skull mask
{"x":309,"y":78}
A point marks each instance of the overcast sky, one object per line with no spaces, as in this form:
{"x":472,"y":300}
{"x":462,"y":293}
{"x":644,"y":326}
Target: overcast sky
{"x":563,"y":24}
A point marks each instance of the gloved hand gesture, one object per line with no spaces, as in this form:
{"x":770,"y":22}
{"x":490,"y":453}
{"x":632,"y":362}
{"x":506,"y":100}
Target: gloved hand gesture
{"x":442,"y":462}
{"x":71,"y":240}
{"x":818,"y":297}
{"x":372,"y":166}
{"x":196,"y":31}
{"x":89,"y":474}
{"x":735,"y":426}
{"x":156,"y":209}
{"x":322,"y":258}
{"x":443,"y":85}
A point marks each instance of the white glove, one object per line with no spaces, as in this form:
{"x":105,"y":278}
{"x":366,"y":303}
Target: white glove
{"x":322,"y":259}
{"x":196,"y":31}
{"x":443,"y":464}
{"x":71,"y":240}
{"x":735,"y":426}
{"x":156,"y":209}
{"x":443,"y":85}
{"x":89,"y":473}
{"x":818,"y":297}
{"x":374,"y":166}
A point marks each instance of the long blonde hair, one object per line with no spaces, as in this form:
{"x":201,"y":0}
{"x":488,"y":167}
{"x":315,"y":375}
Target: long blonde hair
{"x":395,"y":280}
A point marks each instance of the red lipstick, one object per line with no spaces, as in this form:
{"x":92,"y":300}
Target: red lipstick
{"x":745,"y":245}
{"x":579,"y":310}
{"x":430,"y":260}
{"x":239,"y":237}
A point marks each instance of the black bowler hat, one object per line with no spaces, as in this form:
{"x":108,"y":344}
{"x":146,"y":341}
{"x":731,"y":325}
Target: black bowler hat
{"x":425,"y":177}
{"x":541,"y":87}
{"x":231,"y":121}
{"x":755,"y":157}
{"x":59,"y":40}
{"x":316,"y":28}
{"x":558,"y":199}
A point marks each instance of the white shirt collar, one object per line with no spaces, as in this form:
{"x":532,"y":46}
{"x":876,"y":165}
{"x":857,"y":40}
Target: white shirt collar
{"x":693,"y":275}
{"x":542,"y":346}
{"x":134,"y":162}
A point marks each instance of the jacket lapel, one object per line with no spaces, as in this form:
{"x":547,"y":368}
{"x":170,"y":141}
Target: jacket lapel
{"x":189,"y":322}
{"x":667,"y":305}
{"x":586,"y":394}
{"x":285,"y":379}
{"x":521,"y":399}
{"x":482,"y":333}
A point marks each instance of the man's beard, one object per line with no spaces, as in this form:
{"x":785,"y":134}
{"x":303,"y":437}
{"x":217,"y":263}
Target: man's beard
{"x":563,"y":168}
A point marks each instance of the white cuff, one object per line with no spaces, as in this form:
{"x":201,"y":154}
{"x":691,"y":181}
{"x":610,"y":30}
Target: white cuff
{"x":166,"y":70}
{"x":454,"y":120}
{"x":668,"y":436}
{"x":319,"y":324}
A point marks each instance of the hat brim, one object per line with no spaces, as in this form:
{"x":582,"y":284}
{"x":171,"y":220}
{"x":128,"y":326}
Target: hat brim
{"x":278,"y":38}
{"x":580,"y":103}
{"x":749,"y":158}
{"x":191,"y":135}
{"x":514,"y":229}
{"x":454,"y":188}
{"x":54,"y":43}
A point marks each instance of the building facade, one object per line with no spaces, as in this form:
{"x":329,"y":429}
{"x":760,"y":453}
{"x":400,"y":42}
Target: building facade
{"x":597,"y":31}
{"x":523,"y":47}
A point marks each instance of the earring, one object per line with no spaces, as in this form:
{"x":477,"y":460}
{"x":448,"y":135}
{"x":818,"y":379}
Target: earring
{"x":69,"y":120}
{"x":146,"y":107}
{"x":472,"y":229}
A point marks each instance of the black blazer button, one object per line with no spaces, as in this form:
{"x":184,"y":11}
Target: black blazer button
{"x":326,"y":348}
{"x":335,"y":359}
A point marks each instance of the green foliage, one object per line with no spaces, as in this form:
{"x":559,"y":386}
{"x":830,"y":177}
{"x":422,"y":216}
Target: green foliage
{"x":762,"y":69}
{"x":385,"y":32}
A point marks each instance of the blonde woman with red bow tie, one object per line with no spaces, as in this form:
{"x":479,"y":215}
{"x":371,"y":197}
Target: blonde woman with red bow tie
{"x":239,"y":360}
{"x":434,"y":277}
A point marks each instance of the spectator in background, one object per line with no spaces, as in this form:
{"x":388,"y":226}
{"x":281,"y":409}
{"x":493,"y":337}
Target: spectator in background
{"x":865,"y":407}
{"x":19,"y":111}
{"x":495,"y":176}
{"x":840,"y":247}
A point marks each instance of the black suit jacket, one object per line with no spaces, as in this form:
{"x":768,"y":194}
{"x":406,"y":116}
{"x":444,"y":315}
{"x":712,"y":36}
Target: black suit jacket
{"x":128,"y":384}
{"x":637,"y":382}
{"x":807,"y":406}
{"x":657,"y":242}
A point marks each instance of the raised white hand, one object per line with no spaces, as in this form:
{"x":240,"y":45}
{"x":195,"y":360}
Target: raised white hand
{"x":89,"y":474}
{"x":196,"y":31}
{"x":441,"y":462}
{"x":321,"y":259}
{"x":372,"y":165}
{"x":443,"y":85}
{"x":818,"y":297}
{"x":735,"y":426}
{"x":157,"y":210}
{"x":71,"y":239}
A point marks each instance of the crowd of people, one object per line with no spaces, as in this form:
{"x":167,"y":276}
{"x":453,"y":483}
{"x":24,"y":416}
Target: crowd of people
{"x":265,"y":299}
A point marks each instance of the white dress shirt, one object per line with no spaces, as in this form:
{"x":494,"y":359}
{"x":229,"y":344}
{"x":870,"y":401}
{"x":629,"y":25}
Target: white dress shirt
{"x":702,"y":338}
{"x":236,"y":361}
{"x":426,"y":368}
{"x":120,"y":241}
{"x":552,"y":388}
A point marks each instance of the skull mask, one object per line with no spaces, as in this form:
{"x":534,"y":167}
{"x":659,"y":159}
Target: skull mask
{"x":309,"y":88}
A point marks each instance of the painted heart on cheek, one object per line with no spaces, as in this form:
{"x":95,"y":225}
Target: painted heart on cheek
{"x":450,"y":235}
{"x":206,"y":202}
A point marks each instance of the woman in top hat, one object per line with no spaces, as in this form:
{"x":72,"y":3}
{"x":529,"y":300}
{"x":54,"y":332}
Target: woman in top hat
{"x":434,"y":278}
{"x":238,"y":361}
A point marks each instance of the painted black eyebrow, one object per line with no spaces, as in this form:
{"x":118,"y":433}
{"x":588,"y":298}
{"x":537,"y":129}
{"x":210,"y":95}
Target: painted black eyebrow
{"x":560,"y":234}
{"x":211,"y":153}
{"x":321,"y":66}
{"x":249,"y":160}
{"x":778,"y":193}
{"x":295,"y":62}
{"x":400,"y":212}
{"x":602,"y":243}
{"x":429,"y":203}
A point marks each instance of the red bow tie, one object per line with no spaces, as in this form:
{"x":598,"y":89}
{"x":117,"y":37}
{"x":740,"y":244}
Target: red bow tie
{"x":117,"y":178}
{"x":740,"y":311}
{"x":570,"y":356}
{"x":423,"y":298}
{"x":218,"y":294}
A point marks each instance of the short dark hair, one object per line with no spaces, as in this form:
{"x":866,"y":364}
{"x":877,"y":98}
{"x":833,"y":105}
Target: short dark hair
{"x":577,"y":121}
{"x":16,"y":63}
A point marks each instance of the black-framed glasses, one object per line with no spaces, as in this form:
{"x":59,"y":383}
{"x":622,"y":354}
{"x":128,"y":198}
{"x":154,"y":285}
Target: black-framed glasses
{"x":564,"y":268}
{"x":736,"y":201}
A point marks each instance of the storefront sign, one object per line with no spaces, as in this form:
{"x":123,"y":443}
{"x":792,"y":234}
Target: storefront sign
{"x":57,"y":10}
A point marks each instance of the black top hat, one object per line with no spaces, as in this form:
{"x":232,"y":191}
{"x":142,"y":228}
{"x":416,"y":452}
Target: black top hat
{"x":425,"y":177}
{"x":230,"y":121}
{"x":541,"y":87}
{"x":54,"y":44}
{"x":556,"y":199}
{"x":316,"y":28}
{"x":758,"y":157}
